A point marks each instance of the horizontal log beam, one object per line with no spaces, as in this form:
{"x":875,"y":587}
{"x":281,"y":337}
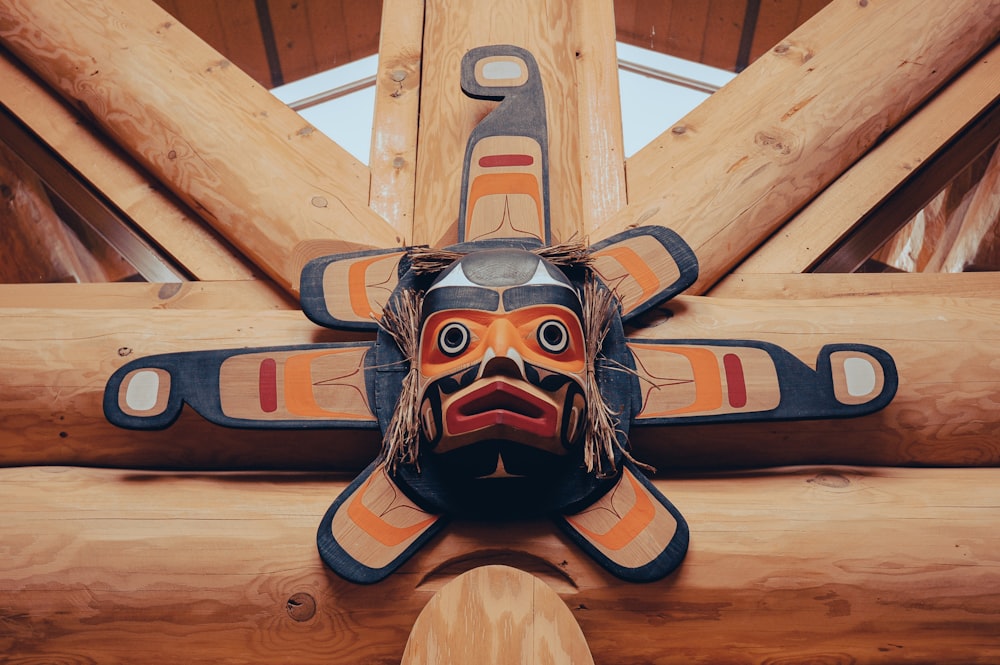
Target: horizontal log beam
{"x":733,"y":174}
{"x":805,"y":286}
{"x":945,"y":412}
{"x":264,"y":178}
{"x":825,"y":564}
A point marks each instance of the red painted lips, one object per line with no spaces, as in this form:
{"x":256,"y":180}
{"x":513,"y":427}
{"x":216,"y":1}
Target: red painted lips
{"x":498,"y":403}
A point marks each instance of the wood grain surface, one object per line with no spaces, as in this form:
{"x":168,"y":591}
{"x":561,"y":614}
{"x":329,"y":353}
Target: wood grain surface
{"x":728,"y":184}
{"x":496,"y":615}
{"x":276,"y":188}
{"x":831,"y":565}
{"x":56,"y":362}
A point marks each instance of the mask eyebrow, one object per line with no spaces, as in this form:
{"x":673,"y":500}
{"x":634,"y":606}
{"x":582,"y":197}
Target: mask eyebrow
{"x":464,"y":297}
{"x":541,"y":294}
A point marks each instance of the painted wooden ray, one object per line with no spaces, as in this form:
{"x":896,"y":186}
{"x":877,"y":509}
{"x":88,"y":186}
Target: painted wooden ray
{"x":315,"y":385}
{"x":505,"y":176}
{"x":726,"y":380}
{"x":487,"y":413}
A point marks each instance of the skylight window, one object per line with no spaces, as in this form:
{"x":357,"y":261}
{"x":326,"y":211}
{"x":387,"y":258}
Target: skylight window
{"x":656,"y":91}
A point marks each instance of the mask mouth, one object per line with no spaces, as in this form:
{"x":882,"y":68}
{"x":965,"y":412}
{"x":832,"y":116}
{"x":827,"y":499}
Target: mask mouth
{"x":502,"y":403}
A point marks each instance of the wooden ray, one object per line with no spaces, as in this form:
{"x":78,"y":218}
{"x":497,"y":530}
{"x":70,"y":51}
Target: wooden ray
{"x":265,"y":179}
{"x":50,"y":393}
{"x":855,"y":197}
{"x":727,"y":183}
{"x":810,"y":564}
{"x":571,"y":42}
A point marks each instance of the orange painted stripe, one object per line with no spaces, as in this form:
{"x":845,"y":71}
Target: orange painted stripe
{"x":385,"y":533}
{"x":490,"y":184}
{"x":707,"y":381}
{"x":635,"y":266}
{"x":632,"y":523}
{"x":357,"y":286}
{"x":299,"y":397}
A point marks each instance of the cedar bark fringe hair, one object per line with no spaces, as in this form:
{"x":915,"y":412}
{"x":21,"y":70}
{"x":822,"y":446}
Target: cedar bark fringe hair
{"x":601,"y":440}
{"x":401,"y":320}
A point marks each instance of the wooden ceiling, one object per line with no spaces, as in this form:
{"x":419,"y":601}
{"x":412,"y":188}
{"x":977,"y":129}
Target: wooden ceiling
{"x":279,"y":41}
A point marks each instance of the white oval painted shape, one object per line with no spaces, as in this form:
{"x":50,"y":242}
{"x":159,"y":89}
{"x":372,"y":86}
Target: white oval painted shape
{"x":497,"y":70}
{"x":860,"y":375}
{"x":143,"y":389}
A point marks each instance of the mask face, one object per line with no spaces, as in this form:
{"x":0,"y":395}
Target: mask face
{"x":500,"y":365}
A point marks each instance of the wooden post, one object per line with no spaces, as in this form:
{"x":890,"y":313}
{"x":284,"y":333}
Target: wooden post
{"x":269,"y":182}
{"x":727,"y":184}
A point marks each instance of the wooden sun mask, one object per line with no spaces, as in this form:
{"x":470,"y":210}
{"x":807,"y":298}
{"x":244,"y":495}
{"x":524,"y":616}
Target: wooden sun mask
{"x":500,"y":374}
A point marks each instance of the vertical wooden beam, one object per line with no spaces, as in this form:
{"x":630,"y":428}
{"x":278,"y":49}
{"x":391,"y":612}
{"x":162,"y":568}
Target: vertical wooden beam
{"x":393,"y":160}
{"x":555,"y":32}
{"x":773,"y":147}
{"x":268,"y":181}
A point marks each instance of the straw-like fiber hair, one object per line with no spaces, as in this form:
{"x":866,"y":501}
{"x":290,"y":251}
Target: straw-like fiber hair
{"x":401,"y":320}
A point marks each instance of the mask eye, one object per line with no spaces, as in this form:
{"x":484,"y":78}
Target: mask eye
{"x":453,"y":339}
{"x":553,"y":336}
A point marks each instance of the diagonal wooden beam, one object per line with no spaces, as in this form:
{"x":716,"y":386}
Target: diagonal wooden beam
{"x":768,"y":146}
{"x":161,"y":216}
{"x":889,"y":184}
{"x":124,"y":566}
{"x":269,"y":182}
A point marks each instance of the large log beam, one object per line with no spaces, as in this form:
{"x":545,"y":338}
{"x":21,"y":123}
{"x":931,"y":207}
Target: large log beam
{"x":945,"y":412}
{"x":729,"y":175}
{"x":858,"y":196}
{"x":830,"y":565}
{"x":252,"y":168}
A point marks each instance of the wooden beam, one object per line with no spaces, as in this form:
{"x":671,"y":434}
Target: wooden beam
{"x":961,"y":115}
{"x":772,"y":145}
{"x":943,"y":414}
{"x":393,"y":160}
{"x":807,"y":286}
{"x":573,"y":44}
{"x":124,"y":566}
{"x":260,"y":175}
{"x":117,"y":176}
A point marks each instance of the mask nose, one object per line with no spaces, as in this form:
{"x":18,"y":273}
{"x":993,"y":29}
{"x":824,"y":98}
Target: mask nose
{"x":501,"y":358}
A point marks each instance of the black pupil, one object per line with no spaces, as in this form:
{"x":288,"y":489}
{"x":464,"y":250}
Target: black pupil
{"x":553,"y":335}
{"x":454,"y":336}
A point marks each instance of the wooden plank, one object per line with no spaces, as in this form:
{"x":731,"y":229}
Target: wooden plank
{"x":397,"y":106}
{"x":722,"y":35}
{"x":855,"y":196}
{"x":264,"y":178}
{"x":132,"y":567}
{"x":728,"y":184}
{"x":554,"y":33}
{"x":206,"y":296}
{"x":116,"y":175}
{"x":943,"y":414}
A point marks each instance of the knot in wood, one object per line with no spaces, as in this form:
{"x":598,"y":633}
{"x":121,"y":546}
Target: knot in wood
{"x":301,"y":606}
